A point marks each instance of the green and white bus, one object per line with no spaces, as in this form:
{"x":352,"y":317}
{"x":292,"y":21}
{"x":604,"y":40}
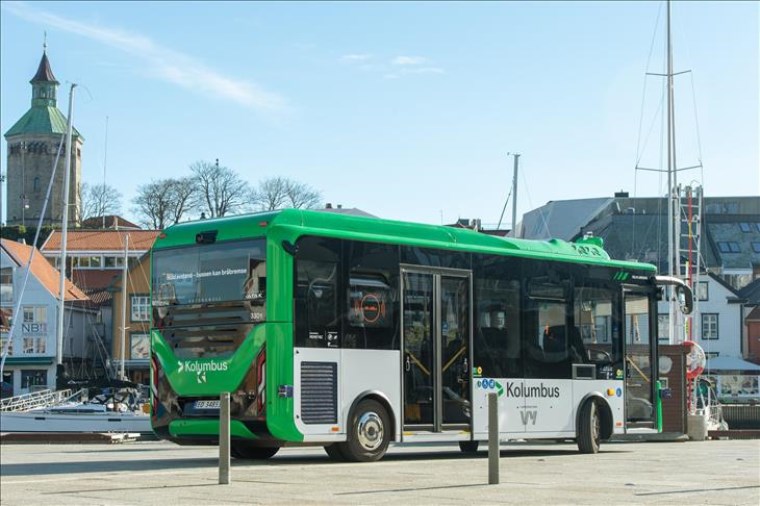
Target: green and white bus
{"x":353,"y":332}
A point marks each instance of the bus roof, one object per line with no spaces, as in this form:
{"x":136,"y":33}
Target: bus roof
{"x":296,"y":222}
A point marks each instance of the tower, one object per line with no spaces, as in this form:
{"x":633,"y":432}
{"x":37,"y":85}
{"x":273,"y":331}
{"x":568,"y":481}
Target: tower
{"x":32,"y":146}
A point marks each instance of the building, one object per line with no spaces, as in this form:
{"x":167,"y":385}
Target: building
{"x":33,"y":143}
{"x":134,"y":328}
{"x":95,"y":258}
{"x":31,"y":362}
{"x":750,"y":295}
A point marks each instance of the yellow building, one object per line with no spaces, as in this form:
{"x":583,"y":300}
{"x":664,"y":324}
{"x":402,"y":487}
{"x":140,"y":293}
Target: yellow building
{"x":133,"y":322}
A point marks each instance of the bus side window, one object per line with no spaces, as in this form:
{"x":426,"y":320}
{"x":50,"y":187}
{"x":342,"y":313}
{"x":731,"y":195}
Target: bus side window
{"x":316,"y":293}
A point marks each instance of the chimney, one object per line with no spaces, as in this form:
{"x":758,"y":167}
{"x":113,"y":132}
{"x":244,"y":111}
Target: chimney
{"x":328,"y":206}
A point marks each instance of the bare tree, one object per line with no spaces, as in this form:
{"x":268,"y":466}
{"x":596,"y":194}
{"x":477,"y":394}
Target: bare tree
{"x":182,"y":197}
{"x":152,"y":204}
{"x":98,"y":200}
{"x":220,"y":190}
{"x":279,"y":192}
{"x":164,"y":202}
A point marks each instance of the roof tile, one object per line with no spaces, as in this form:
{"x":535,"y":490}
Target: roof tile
{"x":47,"y":275}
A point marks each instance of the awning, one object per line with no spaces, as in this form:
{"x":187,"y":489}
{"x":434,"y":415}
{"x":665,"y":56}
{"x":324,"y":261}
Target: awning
{"x":733,"y":364}
{"x":29,"y":360}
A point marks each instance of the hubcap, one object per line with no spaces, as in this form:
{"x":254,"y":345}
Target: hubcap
{"x":370,"y":431}
{"x":595,"y":425}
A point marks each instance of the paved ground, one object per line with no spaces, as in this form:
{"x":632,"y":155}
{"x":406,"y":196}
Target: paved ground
{"x":709,"y":472}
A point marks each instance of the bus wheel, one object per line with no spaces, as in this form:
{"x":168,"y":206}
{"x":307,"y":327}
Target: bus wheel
{"x":249,"y":452}
{"x":589,"y":428}
{"x":368,"y":434}
{"x":333,"y":451}
{"x":468,"y":446}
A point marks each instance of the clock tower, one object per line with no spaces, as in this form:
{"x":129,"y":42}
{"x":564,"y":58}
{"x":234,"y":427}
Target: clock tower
{"x":32,"y":147}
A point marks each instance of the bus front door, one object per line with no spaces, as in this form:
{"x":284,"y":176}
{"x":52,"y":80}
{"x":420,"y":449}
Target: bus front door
{"x":437,"y":343}
{"x":640,"y":362}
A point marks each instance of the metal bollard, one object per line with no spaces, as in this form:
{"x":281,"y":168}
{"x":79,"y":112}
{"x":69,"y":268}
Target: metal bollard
{"x":224,"y":439}
{"x":493,"y":439}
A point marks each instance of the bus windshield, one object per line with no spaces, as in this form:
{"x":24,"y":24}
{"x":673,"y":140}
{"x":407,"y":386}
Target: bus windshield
{"x":204,"y":274}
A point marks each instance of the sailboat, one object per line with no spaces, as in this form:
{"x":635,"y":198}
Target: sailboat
{"x":111,"y":412}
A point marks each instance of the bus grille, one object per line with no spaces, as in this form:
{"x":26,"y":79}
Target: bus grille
{"x":319,"y":392}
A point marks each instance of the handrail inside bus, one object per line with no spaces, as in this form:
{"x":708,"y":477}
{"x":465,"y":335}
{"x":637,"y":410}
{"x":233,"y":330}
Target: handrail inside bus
{"x":643,"y":375}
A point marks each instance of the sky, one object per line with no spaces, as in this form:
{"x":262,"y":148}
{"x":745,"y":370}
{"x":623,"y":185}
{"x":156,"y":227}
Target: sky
{"x":405,"y":110}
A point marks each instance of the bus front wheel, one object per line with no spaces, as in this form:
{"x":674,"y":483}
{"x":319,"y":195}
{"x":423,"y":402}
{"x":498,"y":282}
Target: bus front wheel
{"x":368,"y":433}
{"x":333,"y":451}
{"x":589,"y":428}
{"x":250,"y":452}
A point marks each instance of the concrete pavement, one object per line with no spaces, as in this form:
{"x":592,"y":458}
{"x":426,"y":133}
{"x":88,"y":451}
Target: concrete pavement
{"x":709,"y":472}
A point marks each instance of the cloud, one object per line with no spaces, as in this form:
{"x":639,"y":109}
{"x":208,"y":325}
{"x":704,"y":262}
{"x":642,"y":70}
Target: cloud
{"x":394,"y":68}
{"x":408,"y":60}
{"x":162,"y":62}
{"x":353,"y":58}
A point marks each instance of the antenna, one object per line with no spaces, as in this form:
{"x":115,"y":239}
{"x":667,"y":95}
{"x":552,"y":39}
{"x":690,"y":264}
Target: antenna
{"x":105,"y":163}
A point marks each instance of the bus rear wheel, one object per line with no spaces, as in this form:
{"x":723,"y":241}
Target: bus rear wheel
{"x":245,"y":451}
{"x":589,"y":428}
{"x":368,"y":433}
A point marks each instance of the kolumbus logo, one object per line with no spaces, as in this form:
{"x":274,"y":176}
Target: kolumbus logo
{"x":200,"y":368}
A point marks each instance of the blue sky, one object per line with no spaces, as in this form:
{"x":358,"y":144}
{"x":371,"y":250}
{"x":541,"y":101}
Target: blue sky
{"x":406,"y":110}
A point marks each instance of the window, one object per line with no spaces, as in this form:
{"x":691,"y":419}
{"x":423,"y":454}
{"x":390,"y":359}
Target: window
{"x":317,"y":323}
{"x":756,"y":246}
{"x":496,"y":343}
{"x":140,"y":308}
{"x":35,"y":314}
{"x":139,"y":347}
{"x":112,"y":262}
{"x":709,"y":325}
{"x":702,"y":291}
{"x":728,"y":247}
{"x":745,"y":227}
{"x":372,"y":302}
{"x":33,"y":378}
{"x":6,"y":284}
{"x":663,"y":324}
{"x":36,"y":184}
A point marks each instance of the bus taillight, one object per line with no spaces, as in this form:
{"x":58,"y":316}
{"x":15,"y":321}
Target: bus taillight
{"x":154,"y":385}
{"x":261,"y":360}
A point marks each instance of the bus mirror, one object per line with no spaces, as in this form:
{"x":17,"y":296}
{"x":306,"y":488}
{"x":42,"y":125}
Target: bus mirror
{"x":682,"y":291}
{"x":290,"y":248}
{"x":685,"y":298}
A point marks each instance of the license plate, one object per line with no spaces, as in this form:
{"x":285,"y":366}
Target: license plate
{"x":206,"y":404}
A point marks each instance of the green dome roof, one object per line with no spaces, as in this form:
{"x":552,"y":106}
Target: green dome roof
{"x":41,"y":120}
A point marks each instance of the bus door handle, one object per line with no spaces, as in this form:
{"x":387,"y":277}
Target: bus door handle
{"x":408,"y":364}
{"x":464,"y":375}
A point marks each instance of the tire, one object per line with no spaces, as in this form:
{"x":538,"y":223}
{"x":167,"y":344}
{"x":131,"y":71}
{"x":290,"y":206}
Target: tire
{"x":469,"y":446}
{"x":589,"y":428}
{"x":333,"y":450}
{"x":368,"y":433}
{"x":245,"y":451}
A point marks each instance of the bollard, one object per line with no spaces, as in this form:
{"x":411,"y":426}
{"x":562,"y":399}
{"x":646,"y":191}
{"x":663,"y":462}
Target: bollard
{"x":493,"y":439}
{"x":224,"y":439}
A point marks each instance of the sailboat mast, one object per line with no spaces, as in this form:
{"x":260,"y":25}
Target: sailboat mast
{"x":125,"y":271}
{"x":673,"y":209}
{"x":64,"y":229}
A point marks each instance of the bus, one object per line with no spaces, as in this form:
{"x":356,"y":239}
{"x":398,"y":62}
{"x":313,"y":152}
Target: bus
{"x":353,"y":332}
